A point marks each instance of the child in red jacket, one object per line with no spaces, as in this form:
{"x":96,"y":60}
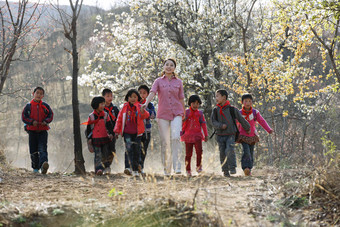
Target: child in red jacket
{"x":37,"y":115}
{"x":99,"y":133}
{"x":192,"y":135}
{"x":130,"y":125}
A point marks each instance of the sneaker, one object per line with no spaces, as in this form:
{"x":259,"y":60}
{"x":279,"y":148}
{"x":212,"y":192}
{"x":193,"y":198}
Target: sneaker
{"x":226,"y":174}
{"x":135,"y":174}
{"x":167,"y":174}
{"x":233,"y":171}
{"x":189,"y":173}
{"x":178,"y":172}
{"x":44,"y":167}
{"x":99,"y":172}
{"x":247,"y":172}
{"x":107,"y":171}
{"x":139,"y":169}
{"x":199,"y":169}
{"x":128,"y":171}
{"x":35,"y":171}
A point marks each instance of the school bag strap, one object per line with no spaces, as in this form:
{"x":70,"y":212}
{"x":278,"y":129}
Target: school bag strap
{"x":232,"y":113}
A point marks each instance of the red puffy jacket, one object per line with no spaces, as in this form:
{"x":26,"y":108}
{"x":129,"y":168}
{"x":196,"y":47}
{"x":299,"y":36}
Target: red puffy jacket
{"x":37,"y":111}
{"x":120,"y":124}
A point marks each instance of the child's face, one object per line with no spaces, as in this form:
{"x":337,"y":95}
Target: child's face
{"x":38,"y":95}
{"x":101,"y":107}
{"x":169,"y":67}
{"x":195,"y":105}
{"x":220,"y":99}
{"x":247,"y":103}
{"x":143,"y":93}
{"x":108,"y":98}
{"x":133,"y":98}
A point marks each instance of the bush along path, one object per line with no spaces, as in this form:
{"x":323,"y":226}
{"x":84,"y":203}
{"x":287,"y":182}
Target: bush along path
{"x":267,"y":198}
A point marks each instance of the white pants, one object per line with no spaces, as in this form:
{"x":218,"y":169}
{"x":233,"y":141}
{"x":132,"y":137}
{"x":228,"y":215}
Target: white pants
{"x":170,"y":146}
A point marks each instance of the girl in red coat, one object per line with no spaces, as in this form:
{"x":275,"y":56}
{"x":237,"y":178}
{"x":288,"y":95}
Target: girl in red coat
{"x":192,"y":135}
{"x":130,"y":125}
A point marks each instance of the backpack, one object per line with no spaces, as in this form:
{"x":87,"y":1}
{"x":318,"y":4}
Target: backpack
{"x":232,"y":113}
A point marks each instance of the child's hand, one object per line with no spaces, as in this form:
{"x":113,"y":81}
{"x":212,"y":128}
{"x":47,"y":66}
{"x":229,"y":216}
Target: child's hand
{"x":110,"y":136}
{"x":43,"y":123}
{"x":206,"y":139}
{"x":142,"y":110}
{"x":35,"y":123}
{"x":116,"y":136}
{"x":89,"y":142}
{"x":224,"y":126}
{"x":271,"y":131}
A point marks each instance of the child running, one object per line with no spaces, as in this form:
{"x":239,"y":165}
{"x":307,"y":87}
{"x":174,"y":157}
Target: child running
{"x":131,"y":126}
{"x":99,"y":133}
{"x":37,"y":115}
{"x":223,"y":120}
{"x":248,"y":140}
{"x":144,"y":92}
{"x":113,"y":111}
{"x":193,"y":125}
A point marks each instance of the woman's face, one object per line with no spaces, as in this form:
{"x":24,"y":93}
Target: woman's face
{"x":169,"y":67}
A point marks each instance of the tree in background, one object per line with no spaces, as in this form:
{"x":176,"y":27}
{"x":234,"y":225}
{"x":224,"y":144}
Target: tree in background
{"x":243,"y":46}
{"x":131,"y":47}
{"x":18,"y":20}
{"x":69,"y":23}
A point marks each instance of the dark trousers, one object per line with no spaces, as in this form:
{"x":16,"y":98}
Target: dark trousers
{"x":99,"y":153}
{"x":38,"y":148}
{"x":145,"y":140}
{"x":132,"y":152}
{"x":188,"y":154}
{"x":108,"y":154}
{"x":226,"y":145}
{"x":247,"y":160}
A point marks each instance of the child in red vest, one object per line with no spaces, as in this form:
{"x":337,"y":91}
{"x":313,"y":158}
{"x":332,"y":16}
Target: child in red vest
{"x":192,"y":135}
{"x":130,"y":125}
{"x":99,"y":133}
{"x":113,"y":111}
{"x":248,"y":140}
{"x":36,"y":116}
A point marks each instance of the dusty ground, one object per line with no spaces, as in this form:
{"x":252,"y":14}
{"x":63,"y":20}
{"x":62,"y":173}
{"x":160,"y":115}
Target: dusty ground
{"x":59,"y":199}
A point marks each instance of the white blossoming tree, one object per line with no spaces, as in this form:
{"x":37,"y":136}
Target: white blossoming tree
{"x":131,"y":48}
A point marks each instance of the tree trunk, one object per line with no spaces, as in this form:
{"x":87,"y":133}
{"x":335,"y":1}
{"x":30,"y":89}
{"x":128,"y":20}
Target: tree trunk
{"x":78,"y":150}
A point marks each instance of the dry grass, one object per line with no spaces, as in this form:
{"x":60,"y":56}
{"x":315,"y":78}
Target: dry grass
{"x":325,"y":195}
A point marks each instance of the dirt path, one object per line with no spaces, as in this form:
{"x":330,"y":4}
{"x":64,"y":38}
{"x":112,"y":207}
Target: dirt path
{"x":235,"y":200}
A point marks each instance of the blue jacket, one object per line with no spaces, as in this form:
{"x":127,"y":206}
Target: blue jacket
{"x":152,"y":112}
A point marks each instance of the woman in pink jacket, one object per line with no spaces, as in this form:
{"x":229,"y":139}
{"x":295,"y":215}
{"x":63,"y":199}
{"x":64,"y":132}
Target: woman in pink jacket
{"x":170,"y":112}
{"x":248,"y":140}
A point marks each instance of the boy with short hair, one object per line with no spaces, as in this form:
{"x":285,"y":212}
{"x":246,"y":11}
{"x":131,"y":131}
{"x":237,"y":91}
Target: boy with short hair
{"x":223,"y":120}
{"x":99,"y":132}
{"x":144,"y":92}
{"x":113,"y":111}
{"x":37,"y":115}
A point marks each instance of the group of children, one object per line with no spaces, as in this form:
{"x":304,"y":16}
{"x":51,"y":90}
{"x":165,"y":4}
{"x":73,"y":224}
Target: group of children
{"x":133,"y":123}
